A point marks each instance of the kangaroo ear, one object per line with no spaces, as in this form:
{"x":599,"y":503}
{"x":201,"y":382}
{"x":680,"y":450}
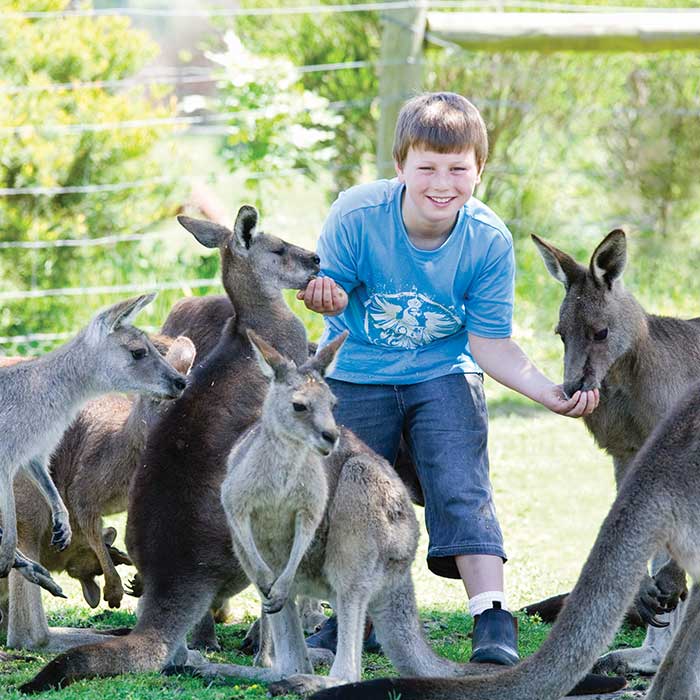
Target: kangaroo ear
{"x":609,"y":258}
{"x":271,"y":362}
{"x":209,"y":234}
{"x":246,"y":227}
{"x":560,"y":265}
{"x":181,"y":354}
{"x":122,"y":313}
{"x":109,"y":534}
{"x":91,"y":591}
{"x":325,"y":360}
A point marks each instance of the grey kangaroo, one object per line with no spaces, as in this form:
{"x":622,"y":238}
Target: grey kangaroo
{"x":656,"y":507}
{"x":275,"y":492}
{"x":91,"y":467}
{"x":42,"y":396}
{"x":177,"y":532}
{"x":642,"y":364}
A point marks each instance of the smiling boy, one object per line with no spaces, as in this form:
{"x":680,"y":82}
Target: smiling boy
{"x":421,"y":274}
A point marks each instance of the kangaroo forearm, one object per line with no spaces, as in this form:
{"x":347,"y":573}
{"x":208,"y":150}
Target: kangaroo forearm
{"x":256,"y":567}
{"x":304,"y":532}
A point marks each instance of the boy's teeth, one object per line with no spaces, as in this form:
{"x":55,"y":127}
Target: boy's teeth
{"x":441,"y":200}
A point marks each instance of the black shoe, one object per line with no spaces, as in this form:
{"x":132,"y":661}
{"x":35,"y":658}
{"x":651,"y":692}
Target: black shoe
{"x":327,"y":638}
{"x":495,"y":638}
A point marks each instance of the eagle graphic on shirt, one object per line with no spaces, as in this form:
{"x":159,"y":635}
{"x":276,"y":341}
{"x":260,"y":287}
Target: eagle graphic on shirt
{"x":407,"y":320}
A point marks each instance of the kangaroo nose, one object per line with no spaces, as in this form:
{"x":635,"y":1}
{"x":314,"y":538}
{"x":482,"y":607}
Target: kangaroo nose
{"x":330,"y":436}
{"x":316,"y":259}
{"x":180,"y":383}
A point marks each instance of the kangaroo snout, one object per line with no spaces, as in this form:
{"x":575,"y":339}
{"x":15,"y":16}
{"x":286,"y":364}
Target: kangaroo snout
{"x":329,"y":440}
{"x":174,"y":386}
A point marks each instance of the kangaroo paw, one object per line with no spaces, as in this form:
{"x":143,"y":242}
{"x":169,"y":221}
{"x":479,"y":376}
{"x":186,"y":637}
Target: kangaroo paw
{"x":61,"y":533}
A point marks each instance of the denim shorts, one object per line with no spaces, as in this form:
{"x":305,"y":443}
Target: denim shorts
{"x":445,"y":423}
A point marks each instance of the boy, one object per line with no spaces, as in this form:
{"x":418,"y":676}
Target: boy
{"x":421,"y":273}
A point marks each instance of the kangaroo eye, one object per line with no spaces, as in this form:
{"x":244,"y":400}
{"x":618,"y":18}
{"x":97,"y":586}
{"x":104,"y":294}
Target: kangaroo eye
{"x":299,"y":407}
{"x":278,"y":251}
{"x":600,"y":335}
{"x":139,"y":353}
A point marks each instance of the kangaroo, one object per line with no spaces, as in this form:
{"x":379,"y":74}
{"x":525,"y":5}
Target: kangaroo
{"x":92,"y":467}
{"x":275,"y":492}
{"x":177,"y":532}
{"x":642,"y":364}
{"x":656,"y":507}
{"x":40,"y":398}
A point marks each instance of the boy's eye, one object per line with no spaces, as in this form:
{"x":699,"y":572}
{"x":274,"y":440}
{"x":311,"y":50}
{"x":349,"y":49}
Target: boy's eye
{"x":425,"y":167}
{"x":459,"y":170}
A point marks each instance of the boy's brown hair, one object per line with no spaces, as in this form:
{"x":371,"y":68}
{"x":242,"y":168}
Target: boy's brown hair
{"x":444,"y":122}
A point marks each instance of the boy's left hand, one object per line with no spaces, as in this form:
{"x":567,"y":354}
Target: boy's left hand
{"x":582,"y":403}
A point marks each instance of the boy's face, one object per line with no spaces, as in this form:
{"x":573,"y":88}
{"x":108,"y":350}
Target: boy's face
{"x":437,"y":186}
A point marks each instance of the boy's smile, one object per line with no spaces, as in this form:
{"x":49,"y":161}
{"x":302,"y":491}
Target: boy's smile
{"x":437,"y":186}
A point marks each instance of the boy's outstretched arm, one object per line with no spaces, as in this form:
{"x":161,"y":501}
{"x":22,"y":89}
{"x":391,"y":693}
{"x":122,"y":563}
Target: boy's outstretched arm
{"x":504,"y":360}
{"x":325,"y":296}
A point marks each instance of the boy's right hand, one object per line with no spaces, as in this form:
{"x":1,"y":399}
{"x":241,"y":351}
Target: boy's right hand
{"x":324,"y":296}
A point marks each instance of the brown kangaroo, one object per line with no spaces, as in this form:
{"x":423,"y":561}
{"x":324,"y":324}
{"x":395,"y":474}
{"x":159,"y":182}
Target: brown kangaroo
{"x":642,"y":364}
{"x":656,"y":507}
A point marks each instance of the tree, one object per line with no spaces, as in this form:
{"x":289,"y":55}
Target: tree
{"x":48,"y":139}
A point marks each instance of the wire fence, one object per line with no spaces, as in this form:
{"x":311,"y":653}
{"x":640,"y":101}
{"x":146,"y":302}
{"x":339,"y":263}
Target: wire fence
{"x":209,"y":124}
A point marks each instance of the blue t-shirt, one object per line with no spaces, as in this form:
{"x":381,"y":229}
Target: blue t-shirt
{"x":409,"y":310}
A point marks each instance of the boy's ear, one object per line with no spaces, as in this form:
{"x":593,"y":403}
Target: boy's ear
{"x":399,"y":172}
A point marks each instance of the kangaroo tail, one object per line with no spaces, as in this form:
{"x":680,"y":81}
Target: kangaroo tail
{"x":398,"y":628}
{"x":632,"y":531}
{"x":137,"y":652}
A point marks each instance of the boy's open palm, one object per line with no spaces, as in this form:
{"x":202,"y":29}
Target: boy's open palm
{"x":324,"y":296}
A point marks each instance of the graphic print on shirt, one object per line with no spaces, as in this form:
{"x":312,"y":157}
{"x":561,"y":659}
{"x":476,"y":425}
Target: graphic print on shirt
{"x":407,"y":320}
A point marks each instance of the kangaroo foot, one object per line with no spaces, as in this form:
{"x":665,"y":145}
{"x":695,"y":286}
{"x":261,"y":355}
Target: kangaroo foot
{"x":36,"y":573}
{"x":60,"y":532}
{"x":113,"y":592}
{"x":625,"y":662}
{"x":320,"y":657}
{"x":303,"y":684}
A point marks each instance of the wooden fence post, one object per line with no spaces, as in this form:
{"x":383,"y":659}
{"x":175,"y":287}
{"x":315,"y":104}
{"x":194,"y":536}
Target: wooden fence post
{"x":402,"y":50}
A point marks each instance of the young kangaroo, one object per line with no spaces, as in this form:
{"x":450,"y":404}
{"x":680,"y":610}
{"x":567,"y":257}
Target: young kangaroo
{"x":275,"y":492}
{"x":91,"y":467}
{"x":642,"y":364}
{"x":656,"y":507}
{"x":41,"y":397}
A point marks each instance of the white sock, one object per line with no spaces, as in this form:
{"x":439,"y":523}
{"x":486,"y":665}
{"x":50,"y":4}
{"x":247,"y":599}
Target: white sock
{"x":486,"y":600}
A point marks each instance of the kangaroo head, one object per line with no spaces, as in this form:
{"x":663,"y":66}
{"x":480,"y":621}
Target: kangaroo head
{"x":126,"y":359}
{"x":599,"y":321}
{"x":246,"y":252}
{"x":299,"y":404}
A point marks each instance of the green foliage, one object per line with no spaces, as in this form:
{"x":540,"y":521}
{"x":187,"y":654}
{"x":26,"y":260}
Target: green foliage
{"x":36,"y":150}
{"x":276,"y":124}
{"x":328,"y":38}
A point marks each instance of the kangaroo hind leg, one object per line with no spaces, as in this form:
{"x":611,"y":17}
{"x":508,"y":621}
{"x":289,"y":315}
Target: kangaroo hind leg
{"x":678,"y":678}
